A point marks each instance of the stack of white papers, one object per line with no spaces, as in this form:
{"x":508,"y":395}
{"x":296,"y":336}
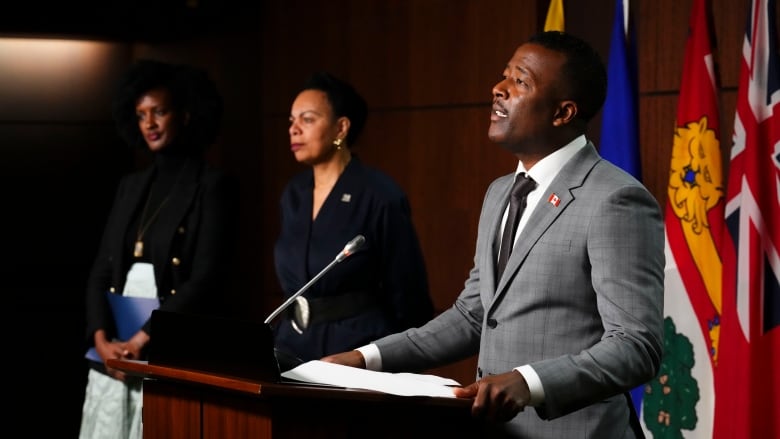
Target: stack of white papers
{"x":404,"y":384}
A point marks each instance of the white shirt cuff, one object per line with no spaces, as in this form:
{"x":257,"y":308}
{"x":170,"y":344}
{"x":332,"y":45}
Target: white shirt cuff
{"x":371,"y":356}
{"x":534,"y":384}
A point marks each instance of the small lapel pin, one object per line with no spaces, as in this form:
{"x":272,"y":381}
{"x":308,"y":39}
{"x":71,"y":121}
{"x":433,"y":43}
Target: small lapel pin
{"x":554,"y":200}
{"x":346,"y":198}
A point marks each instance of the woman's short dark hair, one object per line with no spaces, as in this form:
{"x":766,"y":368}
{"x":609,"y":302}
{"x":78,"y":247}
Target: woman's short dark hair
{"x":584,"y":70}
{"x":344,"y":99}
{"x":192,"y":92}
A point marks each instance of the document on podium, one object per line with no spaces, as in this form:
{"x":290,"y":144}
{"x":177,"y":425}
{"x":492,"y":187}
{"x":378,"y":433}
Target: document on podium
{"x":404,"y":384}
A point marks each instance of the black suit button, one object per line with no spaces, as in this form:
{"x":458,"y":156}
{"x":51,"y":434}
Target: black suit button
{"x":492,"y":323}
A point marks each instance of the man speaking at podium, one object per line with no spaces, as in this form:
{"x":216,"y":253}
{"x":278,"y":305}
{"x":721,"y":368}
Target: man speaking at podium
{"x":574,"y":320}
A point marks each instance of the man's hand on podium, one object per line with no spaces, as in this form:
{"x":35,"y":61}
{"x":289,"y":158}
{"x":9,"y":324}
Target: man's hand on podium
{"x":349,"y":358}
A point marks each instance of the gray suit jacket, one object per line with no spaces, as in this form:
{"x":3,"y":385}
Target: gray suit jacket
{"x":581,"y":301}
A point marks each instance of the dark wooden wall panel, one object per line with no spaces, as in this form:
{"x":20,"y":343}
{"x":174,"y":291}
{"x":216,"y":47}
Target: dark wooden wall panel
{"x":398,"y":54}
{"x":459,"y":49}
{"x":729,"y":21}
{"x":657,"y":138}
{"x":298,"y":38}
{"x":661,"y":29}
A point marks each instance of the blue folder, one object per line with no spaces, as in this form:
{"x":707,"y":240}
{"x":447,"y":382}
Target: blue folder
{"x":130,"y":314}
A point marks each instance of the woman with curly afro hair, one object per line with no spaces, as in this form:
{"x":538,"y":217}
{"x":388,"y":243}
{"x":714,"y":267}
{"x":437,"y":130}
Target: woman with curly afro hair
{"x":168,"y":237}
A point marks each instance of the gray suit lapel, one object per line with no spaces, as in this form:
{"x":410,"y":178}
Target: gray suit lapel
{"x":571,"y":176}
{"x":492,"y":219}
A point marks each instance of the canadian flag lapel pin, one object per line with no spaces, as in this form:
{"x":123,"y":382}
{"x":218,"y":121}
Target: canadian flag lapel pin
{"x":554,"y":200}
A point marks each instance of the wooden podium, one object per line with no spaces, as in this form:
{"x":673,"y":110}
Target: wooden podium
{"x":183,"y":403}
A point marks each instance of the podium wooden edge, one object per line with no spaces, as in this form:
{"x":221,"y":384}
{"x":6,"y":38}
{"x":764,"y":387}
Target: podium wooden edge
{"x":270,"y":389}
{"x":145,"y":370}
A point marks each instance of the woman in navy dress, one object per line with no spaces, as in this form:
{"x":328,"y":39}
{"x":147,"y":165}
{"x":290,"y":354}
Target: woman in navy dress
{"x":380,"y":289}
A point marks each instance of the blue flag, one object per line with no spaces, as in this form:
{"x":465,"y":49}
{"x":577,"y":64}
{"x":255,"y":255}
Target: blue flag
{"x":619,"y":124}
{"x":619,"y":132}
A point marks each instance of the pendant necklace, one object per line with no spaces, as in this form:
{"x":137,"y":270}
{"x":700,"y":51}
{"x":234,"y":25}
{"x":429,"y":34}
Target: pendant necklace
{"x":138,"y":249}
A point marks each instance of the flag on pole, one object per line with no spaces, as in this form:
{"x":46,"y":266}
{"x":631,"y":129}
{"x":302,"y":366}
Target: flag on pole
{"x":748,"y":374}
{"x":682,"y":396}
{"x":619,"y":141}
{"x":554,"y":19}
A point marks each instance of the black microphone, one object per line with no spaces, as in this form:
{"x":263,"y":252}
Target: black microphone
{"x":349,"y":249}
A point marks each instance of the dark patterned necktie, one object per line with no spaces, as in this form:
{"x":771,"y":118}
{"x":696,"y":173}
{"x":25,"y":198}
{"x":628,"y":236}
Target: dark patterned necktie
{"x":517,"y":201}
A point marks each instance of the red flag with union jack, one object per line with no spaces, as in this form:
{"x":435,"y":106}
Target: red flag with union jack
{"x":748,"y":373}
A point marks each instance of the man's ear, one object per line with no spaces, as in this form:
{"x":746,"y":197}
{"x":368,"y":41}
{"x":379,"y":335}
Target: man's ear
{"x":565,"y":113}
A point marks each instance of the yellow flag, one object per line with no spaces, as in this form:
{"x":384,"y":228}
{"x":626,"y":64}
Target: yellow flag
{"x":554,"y":19}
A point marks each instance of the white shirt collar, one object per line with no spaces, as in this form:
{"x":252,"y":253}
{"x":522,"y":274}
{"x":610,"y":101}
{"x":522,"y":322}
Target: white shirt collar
{"x":546,"y":169}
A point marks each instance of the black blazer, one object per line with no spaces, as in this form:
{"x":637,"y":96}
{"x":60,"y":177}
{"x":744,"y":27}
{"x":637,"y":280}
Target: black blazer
{"x":191,"y":252}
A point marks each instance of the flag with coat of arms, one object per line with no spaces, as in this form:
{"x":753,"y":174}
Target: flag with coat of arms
{"x":679,"y":402}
